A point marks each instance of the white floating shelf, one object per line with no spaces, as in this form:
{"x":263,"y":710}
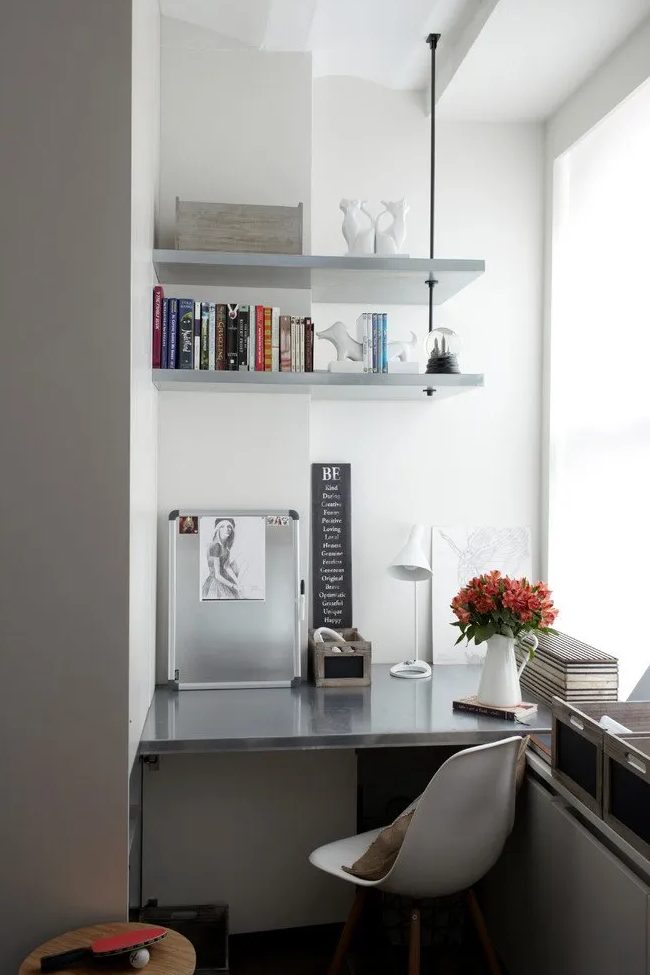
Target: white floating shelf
{"x":354,"y":280}
{"x":319,"y":385}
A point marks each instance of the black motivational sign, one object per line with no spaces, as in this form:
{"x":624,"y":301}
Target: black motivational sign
{"x":331,"y":545}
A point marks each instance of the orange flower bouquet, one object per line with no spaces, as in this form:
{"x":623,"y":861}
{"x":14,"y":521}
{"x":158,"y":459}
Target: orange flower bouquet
{"x":494,"y":604}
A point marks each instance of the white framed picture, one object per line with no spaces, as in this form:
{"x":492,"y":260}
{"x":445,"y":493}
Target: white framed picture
{"x":232,"y":554}
{"x":459,"y":554}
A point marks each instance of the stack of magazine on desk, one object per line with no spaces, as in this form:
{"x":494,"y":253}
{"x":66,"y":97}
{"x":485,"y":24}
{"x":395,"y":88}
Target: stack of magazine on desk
{"x":566,"y":668}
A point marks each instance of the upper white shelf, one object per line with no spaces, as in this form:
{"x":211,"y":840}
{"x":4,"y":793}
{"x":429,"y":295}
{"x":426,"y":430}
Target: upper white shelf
{"x":354,"y":280}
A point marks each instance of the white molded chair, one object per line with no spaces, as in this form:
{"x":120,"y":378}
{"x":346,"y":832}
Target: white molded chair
{"x":457,"y":833}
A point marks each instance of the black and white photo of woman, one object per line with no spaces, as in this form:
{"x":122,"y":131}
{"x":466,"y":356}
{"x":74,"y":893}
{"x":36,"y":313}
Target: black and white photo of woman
{"x":232,"y":560}
{"x":222,"y":580}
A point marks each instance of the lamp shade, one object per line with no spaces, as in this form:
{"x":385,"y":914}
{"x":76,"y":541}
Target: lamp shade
{"x":411,"y":563}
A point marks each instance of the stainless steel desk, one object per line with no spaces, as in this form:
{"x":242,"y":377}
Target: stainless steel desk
{"x":391,"y":712}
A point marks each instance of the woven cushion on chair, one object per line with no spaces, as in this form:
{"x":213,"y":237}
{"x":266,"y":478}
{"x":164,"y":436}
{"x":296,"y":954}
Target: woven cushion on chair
{"x":382,"y":852}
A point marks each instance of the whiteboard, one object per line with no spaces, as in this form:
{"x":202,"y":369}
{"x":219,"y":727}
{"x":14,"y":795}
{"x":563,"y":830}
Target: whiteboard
{"x":216,"y":639}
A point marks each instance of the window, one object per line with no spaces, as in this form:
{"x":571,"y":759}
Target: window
{"x":599,"y":460}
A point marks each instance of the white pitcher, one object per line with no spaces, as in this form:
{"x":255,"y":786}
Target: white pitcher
{"x":499,"y":684}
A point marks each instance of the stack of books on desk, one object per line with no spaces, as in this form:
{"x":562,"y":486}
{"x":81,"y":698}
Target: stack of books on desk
{"x":566,"y":668}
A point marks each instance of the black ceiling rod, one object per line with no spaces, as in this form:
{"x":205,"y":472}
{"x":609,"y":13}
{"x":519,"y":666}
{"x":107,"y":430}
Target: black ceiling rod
{"x":432,"y":41}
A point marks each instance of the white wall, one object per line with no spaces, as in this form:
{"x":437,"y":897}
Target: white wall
{"x":250,"y":115}
{"x":236,"y":451}
{"x":227,"y":149}
{"x":65,"y":70}
{"x":243,"y":829}
{"x":145,"y":135}
{"x":623,"y":73}
{"x":473,"y":459}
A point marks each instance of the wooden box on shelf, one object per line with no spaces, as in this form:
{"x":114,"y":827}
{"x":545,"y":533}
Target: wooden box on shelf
{"x":578,"y":743}
{"x":329,"y":666}
{"x":238,"y":227}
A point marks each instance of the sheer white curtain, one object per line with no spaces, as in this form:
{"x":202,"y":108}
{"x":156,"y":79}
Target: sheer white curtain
{"x":599,"y":491}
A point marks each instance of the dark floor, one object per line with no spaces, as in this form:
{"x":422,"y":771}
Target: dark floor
{"x":448,"y":944}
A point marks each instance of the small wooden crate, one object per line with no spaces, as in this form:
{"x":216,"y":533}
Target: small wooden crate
{"x":627,"y":788}
{"x":578,"y":744}
{"x":238,"y":227}
{"x":331,"y":668}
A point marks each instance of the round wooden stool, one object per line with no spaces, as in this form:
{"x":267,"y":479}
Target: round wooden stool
{"x":174,"y":955}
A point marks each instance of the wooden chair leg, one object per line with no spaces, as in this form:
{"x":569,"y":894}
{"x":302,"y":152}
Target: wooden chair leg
{"x":483,"y":935}
{"x":414,"y":942}
{"x":347,"y":933}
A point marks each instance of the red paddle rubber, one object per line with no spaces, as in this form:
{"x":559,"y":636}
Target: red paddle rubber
{"x":116,"y":944}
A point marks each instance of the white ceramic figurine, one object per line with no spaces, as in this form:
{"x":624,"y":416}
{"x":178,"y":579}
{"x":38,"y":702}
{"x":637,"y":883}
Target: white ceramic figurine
{"x":359,"y":238}
{"x":391,"y":239}
{"x":346,"y":347}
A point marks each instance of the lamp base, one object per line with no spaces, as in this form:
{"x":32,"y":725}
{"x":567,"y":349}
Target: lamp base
{"x":412,"y":669}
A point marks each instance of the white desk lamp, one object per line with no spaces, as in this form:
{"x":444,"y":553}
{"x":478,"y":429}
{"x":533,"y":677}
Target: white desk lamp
{"x":412,"y":565}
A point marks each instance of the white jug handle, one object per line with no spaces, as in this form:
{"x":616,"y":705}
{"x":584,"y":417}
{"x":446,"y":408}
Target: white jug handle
{"x":531,"y":640}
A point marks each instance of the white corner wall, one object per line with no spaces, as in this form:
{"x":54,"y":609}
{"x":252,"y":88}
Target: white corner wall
{"x":472,"y":459}
{"x":226,"y":131}
{"x":145,"y":135}
{"x":65,"y":73}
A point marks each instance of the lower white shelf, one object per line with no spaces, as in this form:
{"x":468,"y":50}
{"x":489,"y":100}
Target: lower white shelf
{"x":320,"y":385}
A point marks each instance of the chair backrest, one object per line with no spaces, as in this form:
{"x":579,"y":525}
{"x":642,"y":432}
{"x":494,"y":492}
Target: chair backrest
{"x":461,"y":823}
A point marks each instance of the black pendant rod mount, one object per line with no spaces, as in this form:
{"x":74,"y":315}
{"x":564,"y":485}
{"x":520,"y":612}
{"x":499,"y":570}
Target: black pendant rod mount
{"x":432,"y":41}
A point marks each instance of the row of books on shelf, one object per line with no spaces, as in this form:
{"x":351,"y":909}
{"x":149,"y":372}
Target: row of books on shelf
{"x":190,"y":334}
{"x":372,"y":327}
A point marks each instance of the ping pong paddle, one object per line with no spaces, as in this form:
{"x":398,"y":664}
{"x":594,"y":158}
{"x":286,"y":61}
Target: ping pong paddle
{"x":117,"y":944}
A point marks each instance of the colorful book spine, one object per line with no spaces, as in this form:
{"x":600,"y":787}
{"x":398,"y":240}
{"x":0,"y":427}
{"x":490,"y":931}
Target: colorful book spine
{"x":301,"y":345}
{"x":366,"y":339}
{"x":309,"y":345}
{"x":268,"y":339}
{"x":173,"y":334}
{"x":205,"y":335}
{"x":294,"y":342}
{"x":185,"y":333}
{"x":157,"y":316}
{"x":375,"y":343}
{"x":197,"y":334}
{"x":384,"y":342}
{"x":212,"y":336}
{"x":259,"y":338}
{"x":164,"y":340}
{"x":242,"y":338}
{"x":232,"y":360}
{"x":367,"y":329}
{"x":252,"y":348}
{"x":221,"y":313}
{"x":285,"y":343}
{"x":275,"y":339}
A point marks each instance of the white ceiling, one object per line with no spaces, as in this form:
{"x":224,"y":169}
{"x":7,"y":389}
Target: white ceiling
{"x":532,"y":54}
{"x":379,"y":40}
{"x":497,"y":59}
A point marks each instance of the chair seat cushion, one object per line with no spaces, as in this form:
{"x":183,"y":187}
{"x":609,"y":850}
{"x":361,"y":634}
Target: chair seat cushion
{"x":382,"y":852}
{"x":346,"y":851}
{"x":380,"y":856}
